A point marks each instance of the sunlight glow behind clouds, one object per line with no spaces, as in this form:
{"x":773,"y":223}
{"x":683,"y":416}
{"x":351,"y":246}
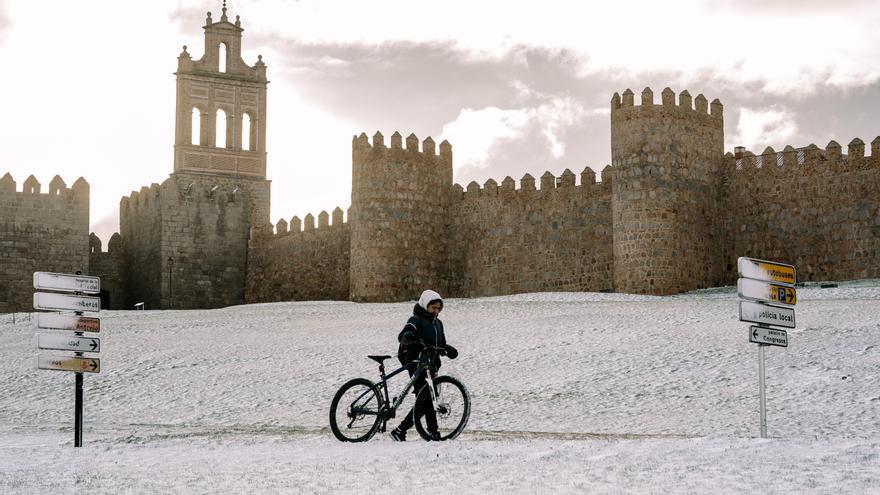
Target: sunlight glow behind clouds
{"x":764,"y":127}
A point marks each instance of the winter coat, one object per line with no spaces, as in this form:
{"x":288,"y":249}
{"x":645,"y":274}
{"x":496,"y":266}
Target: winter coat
{"x":424,"y":327}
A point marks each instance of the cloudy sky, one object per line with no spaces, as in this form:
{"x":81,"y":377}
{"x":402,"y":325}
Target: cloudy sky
{"x":516,"y":87}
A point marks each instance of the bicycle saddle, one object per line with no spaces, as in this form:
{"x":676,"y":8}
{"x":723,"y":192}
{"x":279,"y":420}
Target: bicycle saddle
{"x":379,"y":359}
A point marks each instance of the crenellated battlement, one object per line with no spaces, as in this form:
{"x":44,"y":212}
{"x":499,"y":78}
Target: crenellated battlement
{"x":57,"y":188}
{"x":806,"y":160}
{"x":362,"y":147}
{"x":623,"y":106}
{"x":566,"y":182}
{"x":297,"y":226}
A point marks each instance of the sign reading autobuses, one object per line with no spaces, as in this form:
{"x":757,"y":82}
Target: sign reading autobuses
{"x":769,"y":271}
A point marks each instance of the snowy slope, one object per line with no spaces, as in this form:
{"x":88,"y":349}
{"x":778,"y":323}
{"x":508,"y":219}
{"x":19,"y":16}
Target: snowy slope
{"x":574,"y":392}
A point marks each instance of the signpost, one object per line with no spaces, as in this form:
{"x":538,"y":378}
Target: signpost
{"x":768,"y":336}
{"x":67,"y":363}
{"x":762,"y":283}
{"x":55,"y":321}
{"x":78,"y":302}
{"x":766,"y":314}
{"x":61,"y":342}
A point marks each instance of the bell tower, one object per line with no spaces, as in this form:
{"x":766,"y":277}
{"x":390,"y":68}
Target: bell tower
{"x":220,"y":126}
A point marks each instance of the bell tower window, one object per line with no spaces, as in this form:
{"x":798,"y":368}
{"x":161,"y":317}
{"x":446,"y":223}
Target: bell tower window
{"x":222,"y":57}
{"x":246,"y":132}
{"x":196,"y":131}
{"x":220,"y":129}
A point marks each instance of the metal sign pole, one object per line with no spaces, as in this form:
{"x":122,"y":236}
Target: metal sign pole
{"x":78,"y":400}
{"x":762,"y":390}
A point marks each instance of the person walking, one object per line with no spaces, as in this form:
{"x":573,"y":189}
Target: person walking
{"x":422,"y":327}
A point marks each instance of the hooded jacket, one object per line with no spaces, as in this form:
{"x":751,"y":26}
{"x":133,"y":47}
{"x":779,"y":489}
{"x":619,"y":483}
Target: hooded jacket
{"x":425,"y":327}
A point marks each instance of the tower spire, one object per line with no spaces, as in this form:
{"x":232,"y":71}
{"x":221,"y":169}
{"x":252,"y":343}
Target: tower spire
{"x":223,"y":17}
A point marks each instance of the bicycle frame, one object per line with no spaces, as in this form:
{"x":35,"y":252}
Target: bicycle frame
{"x":388,"y":410}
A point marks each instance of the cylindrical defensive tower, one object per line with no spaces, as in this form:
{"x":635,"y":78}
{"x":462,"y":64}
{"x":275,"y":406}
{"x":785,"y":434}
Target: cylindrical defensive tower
{"x":667,"y":162}
{"x":399,"y":206}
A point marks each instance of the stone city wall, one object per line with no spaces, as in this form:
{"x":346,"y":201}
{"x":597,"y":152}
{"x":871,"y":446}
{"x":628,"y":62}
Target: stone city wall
{"x":40,"y":233}
{"x":300,"y":262}
{"x":205,"y":230}
{"x":504,"y":240}
{"x":109,"y":266}
{"x":816,"y":209}
{"x":399,"y":217}
{"x":140,"y":224}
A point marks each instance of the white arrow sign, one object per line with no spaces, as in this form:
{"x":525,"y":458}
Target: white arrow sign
{"x":55,"y":321}
{"x":60,"y":342}
{"x":769,"y":336}
{"x":755,"y":312}
{"x":65,"y":363}
{"x":66,"y":282}
{"x":45,"y":300}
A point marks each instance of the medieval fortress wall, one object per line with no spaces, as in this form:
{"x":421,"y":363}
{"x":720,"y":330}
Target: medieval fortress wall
{"x":670,"y":214}
{"x":505,"y":240}
{"x":300,"y":261}
{"x":40,"y":232}
{"x":817,"y":209}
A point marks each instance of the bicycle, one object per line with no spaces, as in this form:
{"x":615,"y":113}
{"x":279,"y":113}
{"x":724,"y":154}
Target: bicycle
{"x":360,"y":407}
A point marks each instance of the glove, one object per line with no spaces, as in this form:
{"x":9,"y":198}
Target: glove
{"x":408,"y":338}
{"x":451,"y":352}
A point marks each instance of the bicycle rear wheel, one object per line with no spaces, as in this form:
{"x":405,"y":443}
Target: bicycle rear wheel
{"x":454,"y":404}
{"x":354,"y":412}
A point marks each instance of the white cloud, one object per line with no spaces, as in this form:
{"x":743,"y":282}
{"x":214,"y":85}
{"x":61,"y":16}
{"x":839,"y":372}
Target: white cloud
{"x":776,"y":48}
{"x":758,"y":129}
{"x":476,"y":134}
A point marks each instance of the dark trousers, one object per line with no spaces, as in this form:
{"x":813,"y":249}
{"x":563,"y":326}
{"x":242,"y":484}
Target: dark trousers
{"x":423,"y":407}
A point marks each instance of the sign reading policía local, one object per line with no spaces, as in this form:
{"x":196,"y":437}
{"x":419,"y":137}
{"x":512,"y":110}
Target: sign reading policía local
{"x":67,"y":283}
{"x":50,"y":301}
{"x":768,"y":314}
{"x":757,"y":290}
{"x":766,"y":270}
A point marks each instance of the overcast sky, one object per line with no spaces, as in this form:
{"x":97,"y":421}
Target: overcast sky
{"x":516,"y":87}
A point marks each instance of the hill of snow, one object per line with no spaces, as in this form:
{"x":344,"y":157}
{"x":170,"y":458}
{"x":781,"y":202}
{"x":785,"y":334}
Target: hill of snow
{"x":572,"y":392}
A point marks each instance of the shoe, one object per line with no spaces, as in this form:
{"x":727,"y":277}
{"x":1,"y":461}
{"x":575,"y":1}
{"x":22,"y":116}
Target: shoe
{"x":433,"y":437}
{"x":398,"y":435}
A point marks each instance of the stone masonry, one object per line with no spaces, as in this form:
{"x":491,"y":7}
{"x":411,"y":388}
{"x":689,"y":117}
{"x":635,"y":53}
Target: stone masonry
{"x":671,"y":213}
{"x":40,"y":232}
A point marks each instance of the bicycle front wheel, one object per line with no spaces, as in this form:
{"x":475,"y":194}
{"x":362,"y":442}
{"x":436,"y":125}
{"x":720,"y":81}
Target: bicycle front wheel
{"x":452,"y":411}
{"x":354,"y":412}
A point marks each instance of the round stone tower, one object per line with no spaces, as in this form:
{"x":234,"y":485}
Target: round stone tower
{"x":667,"y":170}
{"x":399,"y":203}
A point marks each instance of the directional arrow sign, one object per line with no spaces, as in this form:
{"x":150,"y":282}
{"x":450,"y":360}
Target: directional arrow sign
{"x":65,"y":363}
{"x":45,"y":300}
{"x":67,"y":283}
{"x":55,"y":321}
{"x":756,"y":312}
{"x":757,"y":290}
{"x":769,"y":336}
{"x":767,"y":270}
{"x":61,"y":342}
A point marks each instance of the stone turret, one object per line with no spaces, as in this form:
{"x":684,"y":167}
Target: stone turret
{"x":667,"y":161}
{"x":399,"y":199}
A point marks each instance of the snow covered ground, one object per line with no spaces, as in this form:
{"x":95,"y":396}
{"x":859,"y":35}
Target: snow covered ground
{"x":572,"y":393}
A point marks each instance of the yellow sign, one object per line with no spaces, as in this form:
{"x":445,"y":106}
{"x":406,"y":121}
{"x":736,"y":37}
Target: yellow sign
{"x":783,"y":294}
{"x":65,"y":363}
{"x":767,"y":270}
{"x":758,"y":290}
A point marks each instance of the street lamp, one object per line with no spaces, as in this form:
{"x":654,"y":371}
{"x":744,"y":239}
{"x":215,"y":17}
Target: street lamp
{"x":170,"y":281}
